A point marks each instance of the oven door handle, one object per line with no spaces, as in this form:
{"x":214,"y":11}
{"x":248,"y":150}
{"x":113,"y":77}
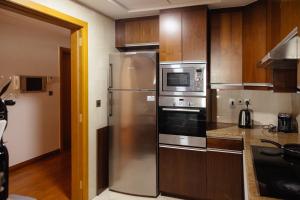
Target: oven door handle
{"x":181,"y":110}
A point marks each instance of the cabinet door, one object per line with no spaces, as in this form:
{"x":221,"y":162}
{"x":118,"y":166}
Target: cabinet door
{"x":170,"y":35}
{"x":149,"y":30}
{"x":133,"y":32}
{"x":194,"y":33}
{"x":224,"y":176}
{"x":226,"y":46}
{"x":182,"y":173}
{"x":255,"y":43}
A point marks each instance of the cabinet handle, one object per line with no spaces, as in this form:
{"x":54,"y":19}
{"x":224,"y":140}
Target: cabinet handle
{"x":224,"y":151}
{"x":182,"y":148}
{"x":180,"y":110}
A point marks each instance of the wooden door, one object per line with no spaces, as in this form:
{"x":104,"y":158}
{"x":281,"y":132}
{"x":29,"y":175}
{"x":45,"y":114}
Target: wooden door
{"x":255,"y":43}
{"x":224,"y":176}
{"x":226,"y":46}
{"x":65,"y":98}
{"x":194,"y":33}
{"x":182,"y":173}
{"x":149,"y":30}
{"x":170,"y":37}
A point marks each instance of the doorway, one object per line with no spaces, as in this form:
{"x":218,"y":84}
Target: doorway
{"x":79,"y":85}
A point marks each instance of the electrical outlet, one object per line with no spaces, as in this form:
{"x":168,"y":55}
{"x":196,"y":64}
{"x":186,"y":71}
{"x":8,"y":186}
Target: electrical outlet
{"x":98,"y":103}
{"x":240,"y":102}
{"x":247,"y":100}
{"x":232,"y":103}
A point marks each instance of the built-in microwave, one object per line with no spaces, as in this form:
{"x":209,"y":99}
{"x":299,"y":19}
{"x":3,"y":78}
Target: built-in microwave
{"x":183,"y":79}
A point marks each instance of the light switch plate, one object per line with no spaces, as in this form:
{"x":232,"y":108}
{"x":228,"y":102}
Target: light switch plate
{"x":98,"y":103}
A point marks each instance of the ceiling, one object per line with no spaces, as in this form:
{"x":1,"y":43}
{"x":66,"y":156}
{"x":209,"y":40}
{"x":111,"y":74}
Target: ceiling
{"x":118,"y":9}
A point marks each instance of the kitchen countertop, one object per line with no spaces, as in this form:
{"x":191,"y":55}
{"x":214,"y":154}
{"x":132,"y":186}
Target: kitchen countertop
{"x":251,"y":137}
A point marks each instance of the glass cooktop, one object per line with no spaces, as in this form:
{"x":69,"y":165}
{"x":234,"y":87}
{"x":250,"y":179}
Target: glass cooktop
{"x":278,"y":176}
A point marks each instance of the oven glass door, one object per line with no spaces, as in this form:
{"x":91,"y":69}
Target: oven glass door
{"x":178,"y":79}
{"x":182,"y":121}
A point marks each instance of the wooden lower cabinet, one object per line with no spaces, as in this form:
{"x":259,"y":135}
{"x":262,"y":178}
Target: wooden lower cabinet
{"x":224,"y":176}
{"x":182,"y":173}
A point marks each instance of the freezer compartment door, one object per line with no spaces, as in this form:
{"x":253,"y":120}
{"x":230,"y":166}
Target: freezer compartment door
{"x":133,"y":143}
{"x":133,"y":70}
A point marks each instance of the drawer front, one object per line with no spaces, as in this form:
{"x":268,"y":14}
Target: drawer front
{"x":227,"y":144}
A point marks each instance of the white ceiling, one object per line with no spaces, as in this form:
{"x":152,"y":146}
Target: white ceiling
{"x":118,"y":9}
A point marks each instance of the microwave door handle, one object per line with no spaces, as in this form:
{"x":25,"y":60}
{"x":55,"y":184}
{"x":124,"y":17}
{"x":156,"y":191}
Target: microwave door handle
{"x":181,"y":110}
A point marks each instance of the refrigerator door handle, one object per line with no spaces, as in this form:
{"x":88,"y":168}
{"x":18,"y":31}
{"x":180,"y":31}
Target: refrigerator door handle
{"x":109,"y":104}
{"x":110,"y":84}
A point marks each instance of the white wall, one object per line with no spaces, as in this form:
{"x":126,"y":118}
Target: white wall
{"x":31,"y":47}
{"x":265,"y":105}
{"x":101,"y":35}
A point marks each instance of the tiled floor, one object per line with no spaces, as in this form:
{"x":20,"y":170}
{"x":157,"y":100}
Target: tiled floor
{"x":108,"y":195}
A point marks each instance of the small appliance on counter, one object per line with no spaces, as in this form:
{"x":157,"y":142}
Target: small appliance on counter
{"x":245,"y":117}
{"x":285,"y":123}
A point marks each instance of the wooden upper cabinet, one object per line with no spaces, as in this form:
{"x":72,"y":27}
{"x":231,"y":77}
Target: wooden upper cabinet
{"x":137,"y":31}
{"x":183,"y":34}
{"x":170,"y":40}
{"x":226,"y":46}
{"x":255,"y":44}
{"x":194,"y":34}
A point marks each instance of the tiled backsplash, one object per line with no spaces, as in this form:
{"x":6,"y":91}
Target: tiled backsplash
{"x":265,"y":105}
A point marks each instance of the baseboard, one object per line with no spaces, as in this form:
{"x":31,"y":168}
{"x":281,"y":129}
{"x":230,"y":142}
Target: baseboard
{"x":33,"y":160}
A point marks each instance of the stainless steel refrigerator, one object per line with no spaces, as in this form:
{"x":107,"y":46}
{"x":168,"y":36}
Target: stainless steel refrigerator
{"x":132,"y":123}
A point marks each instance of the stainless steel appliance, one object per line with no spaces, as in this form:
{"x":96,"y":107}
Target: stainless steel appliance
{"x":285,"y":123}
{"x":133,"y":123}
{"x":183,"y":79}
{"x":246,"y":117}
{"x":285,"y":54}
{"x":182,"y":121}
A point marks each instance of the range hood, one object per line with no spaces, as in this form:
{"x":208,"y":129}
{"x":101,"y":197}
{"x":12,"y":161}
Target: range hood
{"x":285,"y":54}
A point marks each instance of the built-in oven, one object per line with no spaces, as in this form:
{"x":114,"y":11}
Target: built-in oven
{"x":182,"y":121}
{"x":183,"y":79}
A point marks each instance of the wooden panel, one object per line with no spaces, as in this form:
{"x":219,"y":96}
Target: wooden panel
{"x":289,"y":16}
{"x":102,"y":159}
{"x":218,"y":143}
{"x":255,"y":42}
{"x":224,"y":176}
{"x":226,"y":46}
{"x":132,"y":32}
{"x":137,"y":30}
{"x":194,"y":33}
{"x":120,"y":33}
{"x":170,"y":40}
{"x":182,"y":173}
{"x":149,"y":30}
{"x":285,"y":80}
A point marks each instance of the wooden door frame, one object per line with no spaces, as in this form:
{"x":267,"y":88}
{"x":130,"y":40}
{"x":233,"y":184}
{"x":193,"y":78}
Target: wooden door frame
{"x":62,"y":51}
{"x":79,"y":85}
